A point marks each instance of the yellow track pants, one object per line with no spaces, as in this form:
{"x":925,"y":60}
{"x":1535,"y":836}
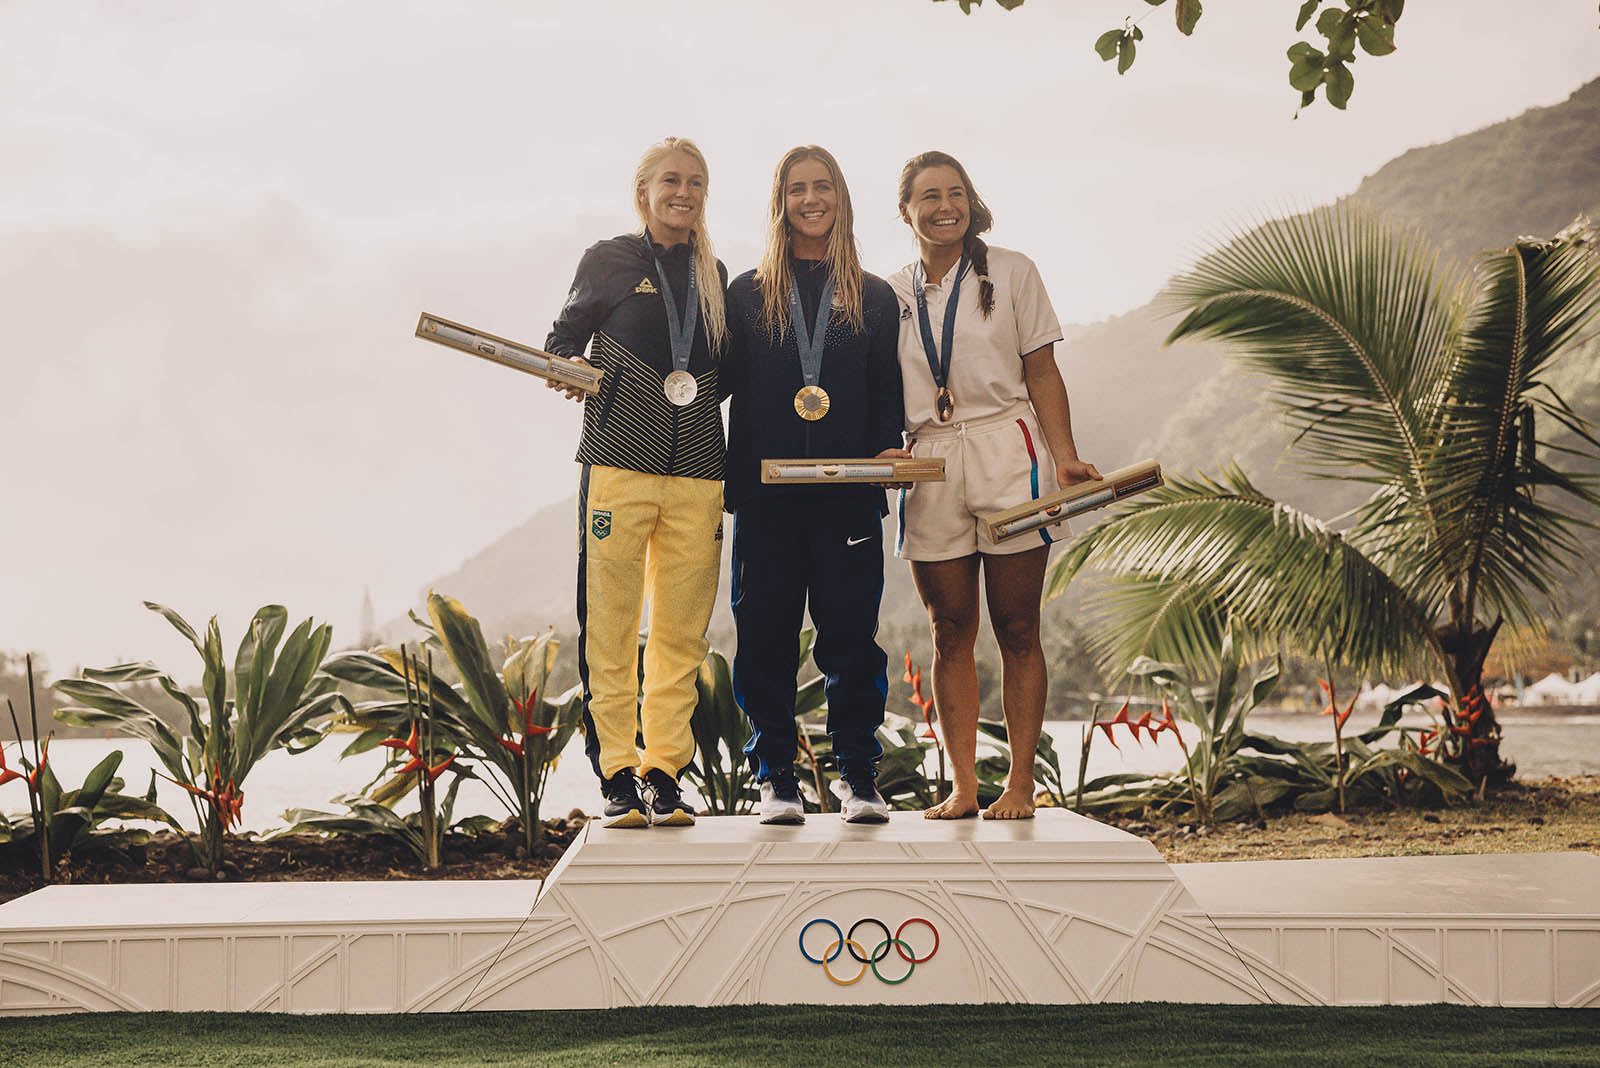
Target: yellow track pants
{"x":644,"y":535}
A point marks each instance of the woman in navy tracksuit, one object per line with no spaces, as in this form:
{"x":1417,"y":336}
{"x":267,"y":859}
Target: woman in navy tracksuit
{"x":827,"y":386}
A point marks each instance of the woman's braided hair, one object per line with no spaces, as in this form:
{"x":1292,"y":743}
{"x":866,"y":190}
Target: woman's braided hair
{"x":979,"y":217}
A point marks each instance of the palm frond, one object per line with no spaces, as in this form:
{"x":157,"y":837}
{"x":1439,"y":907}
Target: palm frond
{"x":1505,"y":533}
{"x":1222,"y":549}
{"x":1351,"y":318}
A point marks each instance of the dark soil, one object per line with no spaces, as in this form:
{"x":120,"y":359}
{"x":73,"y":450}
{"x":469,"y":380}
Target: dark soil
{"x":167,"y":858}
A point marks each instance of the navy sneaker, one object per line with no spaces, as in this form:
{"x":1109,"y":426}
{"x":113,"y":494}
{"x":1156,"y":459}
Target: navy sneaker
{"x":623,"y":806}
{"x":667,"y":807}
{"x":861,"y":801}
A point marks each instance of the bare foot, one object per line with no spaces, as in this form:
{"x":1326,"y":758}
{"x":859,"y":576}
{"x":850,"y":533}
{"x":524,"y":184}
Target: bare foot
{"x":1010,"y":806}
{"x":960,"y":805}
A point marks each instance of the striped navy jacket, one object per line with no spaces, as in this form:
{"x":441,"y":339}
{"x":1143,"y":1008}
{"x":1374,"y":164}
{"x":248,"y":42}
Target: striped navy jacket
{"x":614,"y":311}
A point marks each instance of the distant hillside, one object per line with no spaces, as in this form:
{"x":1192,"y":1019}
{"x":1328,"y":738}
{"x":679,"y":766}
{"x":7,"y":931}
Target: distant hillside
{"x":1185,"y":405}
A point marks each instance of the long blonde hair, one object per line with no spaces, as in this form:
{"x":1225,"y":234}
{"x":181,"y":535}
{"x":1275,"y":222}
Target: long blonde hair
{"x":844,"y":260}
{"x":712,"y":313}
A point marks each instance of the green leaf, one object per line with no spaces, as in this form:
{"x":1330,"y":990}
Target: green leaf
{"x":1375,"y":35}
{"x":469,"y":653}
{"x":1340,"y":84}
{"x":1307,"y":9}
{"x":1305,"y":67}
{"x":1126,"y":49}
{"x":1108,"y":44}
{"x":1389,"y":10}
{"x":1188,"y":13}
{"x":104,"y":707}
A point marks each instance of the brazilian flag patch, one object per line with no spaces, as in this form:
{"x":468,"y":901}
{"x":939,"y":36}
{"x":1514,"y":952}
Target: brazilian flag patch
{"x":600,"y":524}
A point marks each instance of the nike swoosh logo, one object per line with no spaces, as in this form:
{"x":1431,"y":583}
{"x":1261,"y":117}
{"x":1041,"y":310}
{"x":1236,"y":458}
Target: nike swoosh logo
{"x":857,"y":541}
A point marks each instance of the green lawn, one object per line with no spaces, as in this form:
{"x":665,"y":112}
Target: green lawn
{"x":1101,"y":1035}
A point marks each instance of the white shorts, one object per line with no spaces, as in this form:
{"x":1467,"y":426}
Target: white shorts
{"x":990,"y":464}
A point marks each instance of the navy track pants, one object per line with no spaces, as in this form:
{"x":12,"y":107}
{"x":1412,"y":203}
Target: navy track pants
{"x":829,"y":552}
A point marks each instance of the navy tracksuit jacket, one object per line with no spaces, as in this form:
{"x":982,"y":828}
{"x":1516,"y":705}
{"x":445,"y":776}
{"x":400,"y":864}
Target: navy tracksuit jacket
{"x":824,"y":544}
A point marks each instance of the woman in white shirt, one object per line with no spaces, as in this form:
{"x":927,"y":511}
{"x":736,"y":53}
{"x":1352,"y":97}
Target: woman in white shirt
{"x":982,"y":390}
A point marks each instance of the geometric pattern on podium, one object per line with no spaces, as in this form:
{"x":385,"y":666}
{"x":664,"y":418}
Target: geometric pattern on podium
{"x":1485,"y":929}
{"x":250,"y":947}
{"x":1060,"y":909}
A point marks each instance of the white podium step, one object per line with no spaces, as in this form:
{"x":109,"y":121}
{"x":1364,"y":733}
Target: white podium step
{"x":247,"y":947}
{"x":1060,"y":909}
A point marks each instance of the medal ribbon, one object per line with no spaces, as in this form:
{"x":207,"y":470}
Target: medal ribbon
{"x":939,"y":363}
{"x":813,"y":339}
{"x":680,"y":334}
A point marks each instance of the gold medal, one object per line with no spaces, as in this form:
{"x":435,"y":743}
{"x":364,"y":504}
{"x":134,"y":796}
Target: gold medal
{"x":680,"y":387}
{"x":811,"y":403}
{"x":944,"y":405}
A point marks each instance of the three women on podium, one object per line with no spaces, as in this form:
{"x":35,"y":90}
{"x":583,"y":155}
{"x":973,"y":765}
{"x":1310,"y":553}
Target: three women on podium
{"x":821,"y":360}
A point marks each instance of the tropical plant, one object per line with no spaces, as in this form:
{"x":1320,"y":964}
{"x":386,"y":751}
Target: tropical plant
{"x":64,"y":822}
{"x":499,"y":717}
{"x":1430,"y":386}
{"x":1230,"y":772}
{"x":720,"y":772}
{"x":423,"y":831}
{"x":279,"y":697}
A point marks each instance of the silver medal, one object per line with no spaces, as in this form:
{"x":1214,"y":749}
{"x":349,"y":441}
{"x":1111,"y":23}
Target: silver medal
{"x":680,"y":388}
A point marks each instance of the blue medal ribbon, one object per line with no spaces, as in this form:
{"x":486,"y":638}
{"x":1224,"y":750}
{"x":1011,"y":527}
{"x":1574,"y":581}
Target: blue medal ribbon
{"x":813,"y":338}
{"x":939,"y":362}
{"x":680,"y":334}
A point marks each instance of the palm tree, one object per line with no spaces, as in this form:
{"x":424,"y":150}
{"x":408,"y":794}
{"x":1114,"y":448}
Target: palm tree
{"x":1428,"y":383}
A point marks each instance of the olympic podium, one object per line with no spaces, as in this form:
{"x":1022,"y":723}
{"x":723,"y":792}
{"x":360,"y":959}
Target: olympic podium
{"x":1060,"y":909}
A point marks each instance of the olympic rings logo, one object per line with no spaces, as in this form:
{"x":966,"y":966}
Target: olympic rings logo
{"x":845,"y":941}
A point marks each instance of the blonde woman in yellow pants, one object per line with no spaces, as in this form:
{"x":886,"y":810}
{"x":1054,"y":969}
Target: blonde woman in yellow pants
{"x":648,"y":309}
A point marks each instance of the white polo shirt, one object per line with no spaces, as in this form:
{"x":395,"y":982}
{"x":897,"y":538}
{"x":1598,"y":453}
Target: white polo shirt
{"x":986,"y":365}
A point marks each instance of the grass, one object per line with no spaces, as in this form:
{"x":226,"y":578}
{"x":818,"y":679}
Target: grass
{"x":966,"y":1035}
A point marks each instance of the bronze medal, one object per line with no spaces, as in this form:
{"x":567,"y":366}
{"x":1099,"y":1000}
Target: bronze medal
{"x":811,"y":403}
{"x":944,"y":405}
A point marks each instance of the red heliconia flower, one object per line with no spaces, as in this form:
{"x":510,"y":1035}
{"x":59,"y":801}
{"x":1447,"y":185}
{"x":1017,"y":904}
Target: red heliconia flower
{"x":1327,"y":689}
{"x":44,"y":758}
{"x":408,"y":745}
{"x":416,"y":763}
{"x":1105,"y":725}
{"x":1351,"y":707}
{"x":6,"y":774}
{"x":438,"y":769}
{"x":1143,"y":724}
{"x":511,"y":746}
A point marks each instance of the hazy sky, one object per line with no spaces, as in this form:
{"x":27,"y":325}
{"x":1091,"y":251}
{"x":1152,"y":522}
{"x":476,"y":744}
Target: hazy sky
{"x":218,"y":223}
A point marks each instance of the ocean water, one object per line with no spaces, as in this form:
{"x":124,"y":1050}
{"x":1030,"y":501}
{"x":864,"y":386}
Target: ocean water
{"x":1540,"y":745}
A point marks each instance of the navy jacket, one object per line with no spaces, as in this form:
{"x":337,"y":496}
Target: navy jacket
{"x":616,"y":300}
{"x":860,"y":371}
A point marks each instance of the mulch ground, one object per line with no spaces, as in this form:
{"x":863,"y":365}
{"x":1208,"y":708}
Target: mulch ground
{"x":167,"y":858}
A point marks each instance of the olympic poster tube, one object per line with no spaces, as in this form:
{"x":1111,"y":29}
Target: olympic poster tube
{"x":804,"y":472}
{"x":1073,"y":501}
{"x":524,"y":358}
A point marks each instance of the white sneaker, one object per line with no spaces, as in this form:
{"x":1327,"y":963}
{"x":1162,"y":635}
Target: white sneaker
{"x":862,"y":802}
{"x":781,"y":805}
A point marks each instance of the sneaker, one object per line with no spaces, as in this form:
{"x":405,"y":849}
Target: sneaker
{"x":780,"y":799}
{"x":667,"y":807}
{"x":862,"y":802}
{"x":623,"y":807}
